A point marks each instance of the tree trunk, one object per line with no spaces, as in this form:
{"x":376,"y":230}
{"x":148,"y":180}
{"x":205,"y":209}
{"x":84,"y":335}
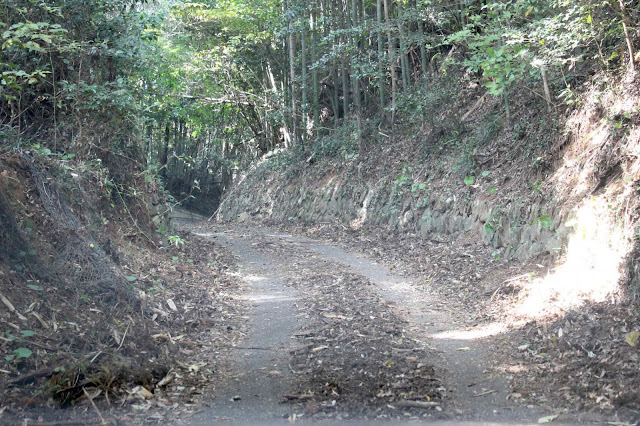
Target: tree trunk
{"x":356,"y":82}
{"x":345,"y":61}
{"x":292,"y":83}
{"x":381,"y":74}
{"x":392,"y":65}
{"x":164,"y":151}
{"x":303,"y":54}
{"x":423,"y":51}
{"x":404,"y":60}
{"x":627,"y":36}
{"x":545,"y":82}
{"x":314,"y":71}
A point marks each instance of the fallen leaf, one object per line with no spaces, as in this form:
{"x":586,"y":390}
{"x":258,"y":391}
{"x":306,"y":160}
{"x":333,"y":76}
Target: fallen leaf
{"x":93,"y":395}
{"x":161,"y":336}
{"x":7,"y":303}
{"x":416,"y":404}
{"x":140,"y":407}
{"x":196,"y":367}
{"x":335,"y":316}
{"x":547,"y":419}
{"x":632,"y":338}
{"x":166,"y":380}
{"x":141,"y":392}
{"x":303,"y":396}
{"x":172,"y":305}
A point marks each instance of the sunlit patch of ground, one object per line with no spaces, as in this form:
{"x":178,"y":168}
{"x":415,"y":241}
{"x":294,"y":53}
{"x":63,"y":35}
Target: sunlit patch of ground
{"x":599,"y":172}
{"x":473,"y":333}
{"x":590,"y":270}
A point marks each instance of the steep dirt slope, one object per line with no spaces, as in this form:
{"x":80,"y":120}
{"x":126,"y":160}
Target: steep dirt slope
{"x":522,"y":187}
{"x":97,"y":307}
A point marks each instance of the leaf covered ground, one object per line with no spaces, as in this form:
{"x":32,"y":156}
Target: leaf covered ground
{"x":581,"y":363}
{"x":356,"y":358}
{"x":148,"y":349}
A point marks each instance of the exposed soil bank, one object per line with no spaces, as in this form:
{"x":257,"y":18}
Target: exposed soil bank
{"x":528,"y":189}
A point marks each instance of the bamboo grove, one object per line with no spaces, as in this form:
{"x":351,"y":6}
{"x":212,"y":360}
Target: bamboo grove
{"x":193,"y":89}
{"x":316,"y":63}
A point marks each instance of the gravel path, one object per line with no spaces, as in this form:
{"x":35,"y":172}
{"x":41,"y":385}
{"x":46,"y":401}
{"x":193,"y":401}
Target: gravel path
{"x":262,"y":373}
{"x":336,"y":336}
{"x":479,"y":392}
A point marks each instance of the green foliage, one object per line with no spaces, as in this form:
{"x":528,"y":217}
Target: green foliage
{"x":512,"y":41}
{"x":190,"y":92}
{"x":545,"y":221}
{"x":494,"y":223}
{"x":341,"y":143}
{"x":492,"y":125}
{"x":35,"y":287}
{"x":20,"y":353}
{"x":162,"y":229}
{"x":48,"y":44}
{"x":403,"y":181}
{"x":426,"y":103}
{"x":489,"y":228}
{"x":176,"y":240}
{"x":156,"y":287}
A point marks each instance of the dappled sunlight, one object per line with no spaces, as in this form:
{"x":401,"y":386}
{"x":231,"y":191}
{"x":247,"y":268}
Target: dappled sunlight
{"x":601,"y":180}
{"x":472,"y":333}
{"x":205,"y":234}
{"x":589,"y":147}
{"x":269,"y":298}
{"x":253,"y":278}
{"x":591,"y":269}
{"x":363,"y":212}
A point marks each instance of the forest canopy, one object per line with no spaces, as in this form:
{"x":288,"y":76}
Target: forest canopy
{"x":192,"y":89}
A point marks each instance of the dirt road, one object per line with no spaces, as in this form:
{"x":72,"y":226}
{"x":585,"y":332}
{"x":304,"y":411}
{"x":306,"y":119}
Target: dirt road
{"x":334,"y":335}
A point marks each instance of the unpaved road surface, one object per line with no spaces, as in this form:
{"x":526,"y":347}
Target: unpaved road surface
{"x":261,"y":373}
{"x":336,"y":336}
